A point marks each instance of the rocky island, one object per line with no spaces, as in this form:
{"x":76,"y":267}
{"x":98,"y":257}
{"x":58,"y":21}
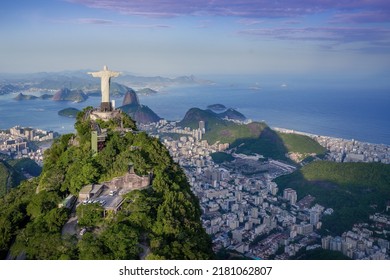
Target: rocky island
{"x":69,"y":112}
{"x":66,"y":94}
{"x":22,"y":96}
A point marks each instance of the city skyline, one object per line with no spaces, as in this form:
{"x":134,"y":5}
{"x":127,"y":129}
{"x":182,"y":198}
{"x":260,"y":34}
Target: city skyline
{"x":243,"y":37}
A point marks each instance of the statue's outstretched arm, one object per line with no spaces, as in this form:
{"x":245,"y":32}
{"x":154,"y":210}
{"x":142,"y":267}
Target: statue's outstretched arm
{"x":115,"y":74}
{"x":94,"y":74}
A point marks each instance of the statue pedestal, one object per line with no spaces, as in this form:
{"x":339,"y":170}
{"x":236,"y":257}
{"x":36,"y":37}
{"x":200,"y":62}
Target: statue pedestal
{"x":105,"y":116}
{"x":105,"y":107}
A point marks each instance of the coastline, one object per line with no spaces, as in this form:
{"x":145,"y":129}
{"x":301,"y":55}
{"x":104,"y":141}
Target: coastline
{"x":312,"y":135}
{"x":347,"y":150}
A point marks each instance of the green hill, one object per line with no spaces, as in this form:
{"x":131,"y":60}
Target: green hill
{"x":195,"y":115}
{"x":301,"y":144}
{"x":165,"y":218}
{"x":268,"y":144}
{"x":9,"y":177}
{"x":353,"y":190}
{"x":255,"y":137}
{"x":232,"y":115}
{"x":276,"y":145}
{"x":218,"y":129}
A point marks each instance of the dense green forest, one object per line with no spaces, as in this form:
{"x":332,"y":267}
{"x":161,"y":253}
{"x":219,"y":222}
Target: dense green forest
{"x":164,"y":217}
{"x":353,"y":190}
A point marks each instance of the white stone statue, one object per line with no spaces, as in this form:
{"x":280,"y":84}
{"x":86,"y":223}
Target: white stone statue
{"x":105,"y":75}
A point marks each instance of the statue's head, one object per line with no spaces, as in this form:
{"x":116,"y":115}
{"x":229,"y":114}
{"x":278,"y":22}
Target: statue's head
{"x":105,"y":68}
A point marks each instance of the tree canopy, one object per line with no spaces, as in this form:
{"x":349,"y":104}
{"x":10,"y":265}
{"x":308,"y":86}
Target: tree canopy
{"x":163,"y":219}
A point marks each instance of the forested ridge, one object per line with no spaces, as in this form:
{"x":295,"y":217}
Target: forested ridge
{"x":353,"y":190}
{"x":163,"y":220}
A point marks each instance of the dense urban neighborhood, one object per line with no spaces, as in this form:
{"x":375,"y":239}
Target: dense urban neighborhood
{"x":245,"y":212}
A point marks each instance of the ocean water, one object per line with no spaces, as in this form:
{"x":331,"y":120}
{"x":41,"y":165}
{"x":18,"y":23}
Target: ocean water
{"x":39,"y":113}
{"x":360,"y":114}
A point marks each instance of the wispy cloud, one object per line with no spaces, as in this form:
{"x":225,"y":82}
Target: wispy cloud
{"x":94,"y":21}
{"x":250,"y":21}
{"x":349,"y":20}
{"x":362,"y":17}
{"x":97,"y":21}
{"x":292,"y":22}
{"x":379,"y":36}
{"x":239,"y":8}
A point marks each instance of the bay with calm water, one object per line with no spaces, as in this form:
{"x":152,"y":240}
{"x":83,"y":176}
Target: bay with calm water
{"x":362,"y":115}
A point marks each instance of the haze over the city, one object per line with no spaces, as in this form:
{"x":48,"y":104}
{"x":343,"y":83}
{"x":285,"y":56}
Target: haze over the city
{"x":315,"y":38}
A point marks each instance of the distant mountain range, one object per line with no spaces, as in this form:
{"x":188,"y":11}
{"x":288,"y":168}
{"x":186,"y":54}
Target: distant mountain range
{"x":10,"y":83}
{"x":158,"y":81}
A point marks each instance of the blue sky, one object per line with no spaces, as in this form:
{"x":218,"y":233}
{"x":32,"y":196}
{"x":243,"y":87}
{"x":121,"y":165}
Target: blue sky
{"x":170,"y":37}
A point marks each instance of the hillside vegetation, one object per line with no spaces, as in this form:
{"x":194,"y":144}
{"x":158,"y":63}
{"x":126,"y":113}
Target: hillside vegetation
{"x":164,"y":218}
{"x":353,"y":190}
{"x":302,"y":144}
{"x":10,"y":177}
{"x":255,"y":137}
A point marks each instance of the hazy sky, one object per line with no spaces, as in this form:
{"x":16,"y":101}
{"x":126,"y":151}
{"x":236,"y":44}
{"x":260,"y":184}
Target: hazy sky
{"x":171,"y":37}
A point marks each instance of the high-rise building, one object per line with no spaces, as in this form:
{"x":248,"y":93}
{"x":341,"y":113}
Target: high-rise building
{"x":325,"y":241}
{"x":202,"y":126}
{"x":290,"y":195}
{"x":336,"y":244}
{"x":237,"y":235}
{"x":238,"y":195}
{"x":304,"y":229}
{"x":273,"y":188}
{"x":258,"y":200}
{"x":314,"y":217}
{"x":254,"y":212}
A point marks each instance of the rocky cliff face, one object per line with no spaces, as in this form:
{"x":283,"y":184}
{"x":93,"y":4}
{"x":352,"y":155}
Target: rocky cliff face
{"x":140,"y":113}
{"x":130,"y":98}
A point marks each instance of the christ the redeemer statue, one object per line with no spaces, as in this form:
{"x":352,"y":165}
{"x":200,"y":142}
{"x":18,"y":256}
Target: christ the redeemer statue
{"x":105,"y":76}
